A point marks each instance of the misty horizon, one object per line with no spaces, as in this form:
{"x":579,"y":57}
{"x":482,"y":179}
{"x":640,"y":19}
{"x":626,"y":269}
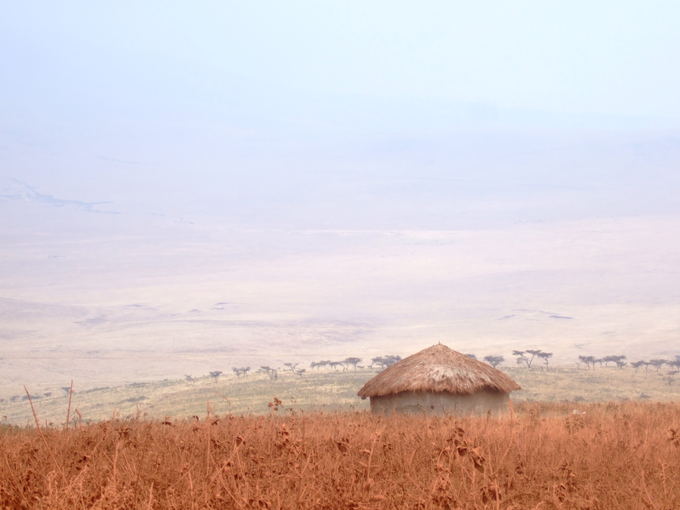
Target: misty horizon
{"x":345,"y":179}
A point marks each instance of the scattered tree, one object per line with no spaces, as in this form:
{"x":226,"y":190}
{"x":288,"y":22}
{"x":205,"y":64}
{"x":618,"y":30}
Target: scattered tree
{"x":215,"y":374}
{"x":640,"y":363}
{"x":272,"y":373}
{"x":588,"y":361}
{"x":545,"y":356}
{"x":352,"y":361}
{"x":616,"y":359}
{"x":320,"y":364}
{"x":533,"y":353}
{"x":385,"y":361}
{"x":657,"y":363}
{"x":521,"y":359}
{"x":291,"y":366}
{"x":494,"y":361}
{"x":527,"y":356}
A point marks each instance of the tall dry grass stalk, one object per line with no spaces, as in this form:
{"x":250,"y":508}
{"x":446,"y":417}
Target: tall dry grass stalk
{"x":615,"y":456}
{"x":68,"y":408}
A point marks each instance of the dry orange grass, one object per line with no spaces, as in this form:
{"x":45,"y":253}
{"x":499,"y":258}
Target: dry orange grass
{"x":615,"y":456}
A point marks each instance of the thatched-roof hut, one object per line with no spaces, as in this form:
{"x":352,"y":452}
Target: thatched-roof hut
{"x":439,"y":380}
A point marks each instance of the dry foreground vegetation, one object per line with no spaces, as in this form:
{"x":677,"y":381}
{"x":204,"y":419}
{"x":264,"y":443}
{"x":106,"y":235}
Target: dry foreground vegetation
{"x":540,"y":456}
{"x":576,"y":438}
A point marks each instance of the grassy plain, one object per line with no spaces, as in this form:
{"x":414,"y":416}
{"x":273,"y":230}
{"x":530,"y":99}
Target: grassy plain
{"x":112,"y":299}
{"x":542,"y":456}
{"x":320,"y":391}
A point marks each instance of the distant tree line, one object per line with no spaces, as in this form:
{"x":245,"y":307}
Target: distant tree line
{"x":619,"y":360}
{"x":351,"y":362}
{"x":527,"y":358}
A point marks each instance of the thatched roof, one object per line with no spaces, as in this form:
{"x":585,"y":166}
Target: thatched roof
{"x":438,"y":369}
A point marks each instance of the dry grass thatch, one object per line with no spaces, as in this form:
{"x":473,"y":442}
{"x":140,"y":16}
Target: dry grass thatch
{"x":438,"y":369}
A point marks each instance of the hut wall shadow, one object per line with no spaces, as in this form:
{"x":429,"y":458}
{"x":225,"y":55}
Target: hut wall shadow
{"x":479,"y":403}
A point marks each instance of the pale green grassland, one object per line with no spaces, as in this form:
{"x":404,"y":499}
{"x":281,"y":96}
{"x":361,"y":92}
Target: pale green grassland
{"x":322,"y":391}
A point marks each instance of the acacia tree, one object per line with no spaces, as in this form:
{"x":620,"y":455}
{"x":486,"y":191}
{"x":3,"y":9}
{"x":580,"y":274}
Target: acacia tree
{"x":527,"y":356}
{"x":352,"y":361}
{"x":533,"y":353}
{"x":215,"y":374}
{"x":588,"y":361}
{"x":385,"y":361}
{"x":617,"y":359}
{"x":239,"y":371}
{"x":521,"y":359}
{"x":493,"y":360}
{"x":291,"y":366}
{"x":658,"y":363}
{"x":391,"y":359}
{"x":272,"y":373}
{"x":320,"y":364}
{"x":545,"y":356}
{"x":640,"y":363}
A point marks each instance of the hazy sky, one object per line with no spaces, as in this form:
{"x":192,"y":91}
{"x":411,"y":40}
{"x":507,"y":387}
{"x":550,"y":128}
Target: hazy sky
{"x":572,"y":57}
{"x":363,"y":174}
{"x":276,"y":101}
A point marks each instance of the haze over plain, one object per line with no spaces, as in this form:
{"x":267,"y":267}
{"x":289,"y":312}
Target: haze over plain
{"x":184,"y":188}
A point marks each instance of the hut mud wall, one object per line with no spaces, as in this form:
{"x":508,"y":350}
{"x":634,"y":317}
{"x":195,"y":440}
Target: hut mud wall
{"x":479,"y":403}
